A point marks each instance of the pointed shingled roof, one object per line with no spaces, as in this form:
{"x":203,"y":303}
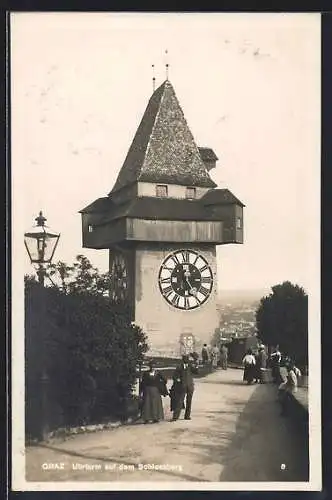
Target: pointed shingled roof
{"x":163,"y":149}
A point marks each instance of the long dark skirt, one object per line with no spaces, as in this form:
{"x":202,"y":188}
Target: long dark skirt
{"x":152,"y":407}
{"x":278,"y":374}
{"x":249,"y":373}
{"x":258,"y":372}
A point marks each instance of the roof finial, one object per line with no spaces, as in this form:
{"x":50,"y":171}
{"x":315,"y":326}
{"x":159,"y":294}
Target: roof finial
{"x":153,"y":79}
{"x":40,"y":219}
{"x":167,"y":65}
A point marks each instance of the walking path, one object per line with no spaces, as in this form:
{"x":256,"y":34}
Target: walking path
{"x":236,"y":434}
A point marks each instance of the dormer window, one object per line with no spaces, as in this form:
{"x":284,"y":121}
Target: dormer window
{"x":190,"y":193}
{"x":209,"y":158}
{"x":161,"y":191}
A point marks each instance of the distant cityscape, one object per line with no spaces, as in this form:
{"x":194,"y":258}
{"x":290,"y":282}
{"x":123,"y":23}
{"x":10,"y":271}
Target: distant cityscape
{"x":237,"y":311}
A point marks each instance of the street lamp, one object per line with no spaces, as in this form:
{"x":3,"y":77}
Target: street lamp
{"x":40,"y":243}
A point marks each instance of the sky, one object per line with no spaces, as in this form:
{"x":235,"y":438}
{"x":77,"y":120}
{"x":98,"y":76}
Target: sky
{"x":249,"y":87}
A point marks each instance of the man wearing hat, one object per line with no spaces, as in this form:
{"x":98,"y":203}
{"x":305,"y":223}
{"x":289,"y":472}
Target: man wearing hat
{"x":183,"y":381}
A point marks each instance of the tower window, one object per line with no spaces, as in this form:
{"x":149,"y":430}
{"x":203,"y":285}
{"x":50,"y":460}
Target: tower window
{"x":90,"y":228}
{"x":238,"y":223}
{"x":190,"y":193}
{"x":161,"y":191}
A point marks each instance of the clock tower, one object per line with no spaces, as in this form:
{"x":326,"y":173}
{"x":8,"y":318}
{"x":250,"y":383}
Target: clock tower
{"x":161,"y":223}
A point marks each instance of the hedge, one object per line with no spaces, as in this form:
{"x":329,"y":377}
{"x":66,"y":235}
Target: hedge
{"x":89,"y":350}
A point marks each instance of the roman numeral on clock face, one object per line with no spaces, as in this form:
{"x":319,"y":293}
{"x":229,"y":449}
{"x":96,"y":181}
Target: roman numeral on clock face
{"x":185,"y":256}
{"x":186,"y":303}
{"x":204,"y":268}
{"x":167,"y":291}
{"x":175,"y":259}
{"x":206,"y":279}
{"x":196,"y":259}
{"x":204,"y":291}
{"x":165,"y":280}
{"x":168,"y":268}
{"x":175,"y":300}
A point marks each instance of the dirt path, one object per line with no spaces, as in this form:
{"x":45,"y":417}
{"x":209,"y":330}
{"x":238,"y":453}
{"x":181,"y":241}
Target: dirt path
{"x":236,"y":434}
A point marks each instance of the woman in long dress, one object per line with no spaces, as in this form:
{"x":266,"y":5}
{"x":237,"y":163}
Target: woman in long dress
{"x":288,"y":387}
{"x":249,"y":364}
{"x":215,"y":356}
{"x":152,"y":387}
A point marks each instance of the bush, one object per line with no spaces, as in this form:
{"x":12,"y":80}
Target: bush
{"x":90,"y":350}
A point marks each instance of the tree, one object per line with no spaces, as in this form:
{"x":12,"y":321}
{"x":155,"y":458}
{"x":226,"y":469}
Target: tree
{"x":81,"y":277}
{"x":282,"y":319}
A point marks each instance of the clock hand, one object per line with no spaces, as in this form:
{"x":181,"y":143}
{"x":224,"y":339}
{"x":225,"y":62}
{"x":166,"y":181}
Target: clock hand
{"x":186,"y":274}
{"x":187,"y":280}
{"x":183,"y":277}
{"x":192,"y":289}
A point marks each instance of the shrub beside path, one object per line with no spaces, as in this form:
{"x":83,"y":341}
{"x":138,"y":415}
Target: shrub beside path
{"x":236,"y":434}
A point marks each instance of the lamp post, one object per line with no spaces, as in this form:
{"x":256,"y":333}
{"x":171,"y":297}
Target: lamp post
{"x":40,"y":243}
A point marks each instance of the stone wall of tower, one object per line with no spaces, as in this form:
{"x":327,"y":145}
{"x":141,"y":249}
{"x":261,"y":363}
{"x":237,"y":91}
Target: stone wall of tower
{"x":162,"y":322}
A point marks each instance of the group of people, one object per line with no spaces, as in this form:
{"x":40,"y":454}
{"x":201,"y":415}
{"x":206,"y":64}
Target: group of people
{"x":277,"y":362}
{"x":216,"y":356}
{"x":153,"y":387}
{"x":255,"y":364}
{"x":287,"y":379}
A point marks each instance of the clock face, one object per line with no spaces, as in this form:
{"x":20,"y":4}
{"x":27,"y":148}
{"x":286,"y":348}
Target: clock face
{"x":119,"y":278}
{"x":185,"y":279}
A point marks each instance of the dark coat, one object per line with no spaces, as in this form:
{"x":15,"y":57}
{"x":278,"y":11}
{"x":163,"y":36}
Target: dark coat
{"x":175,"y":393}
{"x":152,"y":387}
{"x":153,"y":381}
{"x":183,"y":381}
{"x":205,"y":355}
{"x":184,"y":376}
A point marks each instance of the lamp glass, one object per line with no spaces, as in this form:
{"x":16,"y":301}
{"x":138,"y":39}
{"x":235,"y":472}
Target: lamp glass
{"x":40,"y":243}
